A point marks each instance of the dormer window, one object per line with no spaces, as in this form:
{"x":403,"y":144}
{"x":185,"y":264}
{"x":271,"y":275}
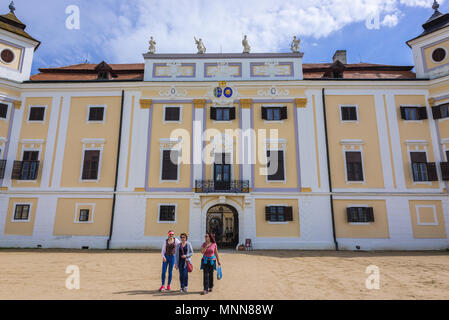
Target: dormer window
{"x":105,"y":71}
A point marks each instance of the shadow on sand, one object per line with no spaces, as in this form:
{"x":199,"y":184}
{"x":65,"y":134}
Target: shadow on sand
{"x":156,"y":293}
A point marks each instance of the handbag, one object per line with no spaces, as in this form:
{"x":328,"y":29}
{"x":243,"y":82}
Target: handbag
{"x":219,"y":273}
{"x":188,"y":263}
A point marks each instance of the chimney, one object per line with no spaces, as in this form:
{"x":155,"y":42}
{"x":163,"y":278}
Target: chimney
{"x":340,"y":55}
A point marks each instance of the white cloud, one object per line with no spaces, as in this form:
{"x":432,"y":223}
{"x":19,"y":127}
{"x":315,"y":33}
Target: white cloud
{"x":269,"y":25}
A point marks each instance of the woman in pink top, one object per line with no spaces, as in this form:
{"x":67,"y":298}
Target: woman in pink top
{"x":209,"y":262}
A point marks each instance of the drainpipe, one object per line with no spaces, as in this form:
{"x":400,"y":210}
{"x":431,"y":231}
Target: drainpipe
{"x":329,"y":169}
{"x":116,"y":172}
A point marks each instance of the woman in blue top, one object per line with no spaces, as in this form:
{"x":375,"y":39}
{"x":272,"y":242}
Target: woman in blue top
{"x":184,"y":252}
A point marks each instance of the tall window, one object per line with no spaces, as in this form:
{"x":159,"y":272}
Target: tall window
{"x":167,"y":213}
{"x":30,"y":165}
{"x":3,"y":110}
{"x":91,"y":164}
{"x":37,"y":114}
{"x":349,"y":113}
{"x":354,"y":166}
{"x":169,"y":165}
{"x":275,"y":165}
{"x":22,"y":212}
{"x":419,"y":166}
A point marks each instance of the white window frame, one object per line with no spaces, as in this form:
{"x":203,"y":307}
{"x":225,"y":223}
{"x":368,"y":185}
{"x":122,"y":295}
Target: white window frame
{"x":415,"y":144}
{"x":357,"y":113}
{"x":13,"y":220}
{"x":37,"y":121}
{"x":350,"y":205}
{"x":91,"y":148}
{"x":442,"y":61}
{"x":273,"y":121}
{"x":89,"y":106}
{"x":77,"y":213}
{"x":8,"y":113}
{"x":418,"y":220}
{"x":159,"y":213}
{"x":352,"y":144}
{"x":278,"y":205}
{"x":281,"y":146}
{"x":164,"y":121}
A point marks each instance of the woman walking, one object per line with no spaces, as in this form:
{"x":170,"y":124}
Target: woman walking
{"x":168,"y":258}
{"x":209,"y":262}
{"x":184,"y":252}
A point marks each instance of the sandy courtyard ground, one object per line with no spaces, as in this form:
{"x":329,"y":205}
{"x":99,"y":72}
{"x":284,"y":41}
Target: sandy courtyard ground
{"x":28,"y":274}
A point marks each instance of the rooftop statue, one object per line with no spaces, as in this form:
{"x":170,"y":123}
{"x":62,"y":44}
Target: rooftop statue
{"x":200,"y":46}
{"x":246,"y":47}
{"x":152,"y":48}
{"x":295,"y":45}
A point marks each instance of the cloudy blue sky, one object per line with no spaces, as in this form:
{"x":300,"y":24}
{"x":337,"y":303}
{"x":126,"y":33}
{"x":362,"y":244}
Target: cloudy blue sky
{"x":117,"y":31}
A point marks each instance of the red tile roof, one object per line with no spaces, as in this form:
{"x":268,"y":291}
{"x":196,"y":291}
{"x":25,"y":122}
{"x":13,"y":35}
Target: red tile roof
{"x":135,"y":71}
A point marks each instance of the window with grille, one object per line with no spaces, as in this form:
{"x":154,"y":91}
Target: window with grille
{"x":167,"y":213}
{"x":84,"y":215}
{"x":360,"y":214}
{"x":169,"y":165}
{"x":348,"y":113}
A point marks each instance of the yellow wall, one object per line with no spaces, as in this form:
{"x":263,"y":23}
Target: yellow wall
{"x":414,"y":130}
{"x":155,"y":229}
{"x":20,"y":228}
{"x":426,"y":215}
{"x":265,"y":229}
{"x":365,"y":129}
{"x":160,"y":130}
{"x":286,"y":131}
{"x":376,"y":230}
{"x":65,"y":217}
{"x":428,"y":55}
{"x":15,"y":65}
{"x":79,"y":129}
{"x":33,"y":131}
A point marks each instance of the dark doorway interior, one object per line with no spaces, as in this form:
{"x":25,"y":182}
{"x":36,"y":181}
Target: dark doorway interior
{"x":222,"y":221}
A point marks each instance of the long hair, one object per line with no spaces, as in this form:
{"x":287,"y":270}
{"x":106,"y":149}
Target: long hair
{"x":211,"y":237}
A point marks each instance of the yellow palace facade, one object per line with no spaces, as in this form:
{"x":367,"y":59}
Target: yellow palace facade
{"x":246,"y":145}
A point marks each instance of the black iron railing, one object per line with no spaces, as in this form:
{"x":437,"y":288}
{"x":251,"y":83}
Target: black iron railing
{"x":25,"y":170}
{"x":211,"y":186}
{"x":2,"y":168}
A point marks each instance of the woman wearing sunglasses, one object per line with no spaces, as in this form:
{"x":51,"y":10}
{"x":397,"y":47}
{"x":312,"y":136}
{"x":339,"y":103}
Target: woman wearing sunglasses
{"x":168,"y":258}
{"x":184,"y":252}
{"x":209,"y":262}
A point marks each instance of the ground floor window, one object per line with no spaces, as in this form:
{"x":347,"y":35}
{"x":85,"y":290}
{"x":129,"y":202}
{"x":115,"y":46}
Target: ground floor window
{"x":22,"y":212}
{"x":278,"y":214}
{"x":167,"y":213}
{"x":360,"y":214}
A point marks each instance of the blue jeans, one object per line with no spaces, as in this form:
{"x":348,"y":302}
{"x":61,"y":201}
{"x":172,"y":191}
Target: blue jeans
{"x":183,"y":274}
{"x":170,"y":264}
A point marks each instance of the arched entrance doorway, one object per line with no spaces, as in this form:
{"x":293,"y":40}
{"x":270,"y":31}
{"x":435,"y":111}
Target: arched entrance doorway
{"x":223,"y":221}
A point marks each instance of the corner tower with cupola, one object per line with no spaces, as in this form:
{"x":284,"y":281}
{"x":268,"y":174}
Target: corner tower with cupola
{"x":16,"y":48}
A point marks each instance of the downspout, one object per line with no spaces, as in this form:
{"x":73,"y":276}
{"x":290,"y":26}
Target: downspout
{"x":116,"y":171}
{"x":329,"y":169}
